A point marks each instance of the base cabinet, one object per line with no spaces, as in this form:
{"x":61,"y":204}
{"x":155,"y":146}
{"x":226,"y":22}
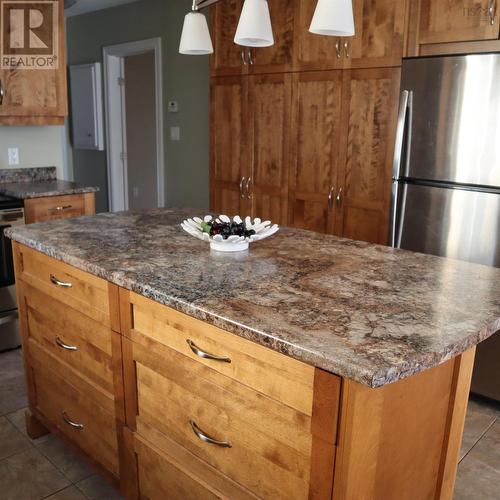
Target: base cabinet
{"x":167,"y":406}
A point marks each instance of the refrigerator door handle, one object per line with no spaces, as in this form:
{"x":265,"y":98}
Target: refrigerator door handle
{"x":396,"y":167}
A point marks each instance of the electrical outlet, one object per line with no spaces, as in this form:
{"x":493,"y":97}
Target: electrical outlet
{"x":13,"y":154}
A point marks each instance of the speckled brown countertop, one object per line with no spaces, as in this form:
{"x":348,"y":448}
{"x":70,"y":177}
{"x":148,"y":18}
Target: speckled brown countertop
{"x":366,"y":312}
{"x":39,"y":189}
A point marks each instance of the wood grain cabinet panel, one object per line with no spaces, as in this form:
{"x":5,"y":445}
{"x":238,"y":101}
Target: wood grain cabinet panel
{"x":378,"y":42}
{"x":58,"y":207}
{"x":315,"y":149}
{"x":81,"y":291}
{"x":228,"y":58}
{"x":270,"y":101}
{"x":36,"y":97}
{"x":230,"y":156}
{"x":75,"y":412}
{"x":444,"y":21}
{"x":370,"y":106}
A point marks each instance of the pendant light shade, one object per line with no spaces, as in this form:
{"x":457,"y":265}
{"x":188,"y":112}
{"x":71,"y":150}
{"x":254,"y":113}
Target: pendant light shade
{"x":333,"y":18}
{"x":195,"y":38}
{"x":254,"y":28}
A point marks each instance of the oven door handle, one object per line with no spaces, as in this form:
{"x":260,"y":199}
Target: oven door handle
{"x":9,"y":317}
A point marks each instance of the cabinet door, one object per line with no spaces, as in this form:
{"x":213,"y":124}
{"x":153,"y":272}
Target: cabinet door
{"x":313,"y":51}
{"x":458,"y":20}
{"x":229,"y":145}
{"x":228,"y":58}
{"x":278,"y":58}
{"x":35,"y":95}
{"x":316,"y":138}
{"x":379,"y":38}
{"x":369,"y":113}
{"x":269,"y":101}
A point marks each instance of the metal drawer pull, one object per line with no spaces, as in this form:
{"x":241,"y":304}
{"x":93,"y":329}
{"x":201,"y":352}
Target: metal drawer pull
{"x":337,"y":48}
{"x":62,"y":284}
{"x":346,"y":48}
{"x":339,"y":197}
{"x":2,"y":92}
{"x":206,"y":355}
{"x":70,"y":422}
{"x":62,"y":345}
{"x":60,"y":208}
{"x":206,"y":438}
{"x":247,"y":188}
{"x":330,"y":198}
{"x":492,"y":11}
{"x":242,"y":187}
{"x":243,"y":58}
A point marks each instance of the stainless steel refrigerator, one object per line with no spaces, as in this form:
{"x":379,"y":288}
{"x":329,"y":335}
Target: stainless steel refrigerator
{"x":446,"y":179}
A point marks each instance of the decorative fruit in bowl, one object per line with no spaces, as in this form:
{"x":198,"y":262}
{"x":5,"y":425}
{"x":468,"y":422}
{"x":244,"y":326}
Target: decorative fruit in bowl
{"x":226,"y":235}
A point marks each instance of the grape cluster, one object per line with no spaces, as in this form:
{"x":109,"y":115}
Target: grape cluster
{"x":227,"y":229}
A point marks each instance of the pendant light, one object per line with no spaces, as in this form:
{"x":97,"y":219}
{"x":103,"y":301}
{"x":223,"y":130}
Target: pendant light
{"x":333,"y":18}
{"x":195,"y":38}
{"x":254,"y":28}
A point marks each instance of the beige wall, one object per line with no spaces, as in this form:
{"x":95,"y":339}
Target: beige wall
{"x":38,"y":147}
{"x":186,"y":80}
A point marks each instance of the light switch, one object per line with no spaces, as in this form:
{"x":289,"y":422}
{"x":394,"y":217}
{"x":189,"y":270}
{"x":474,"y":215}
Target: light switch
{"x":135,"y":192}
{"x":13,"y":154}
{"x":175,"y":133}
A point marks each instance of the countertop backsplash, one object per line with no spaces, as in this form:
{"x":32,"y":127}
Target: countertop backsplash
{"x":39,"y":174}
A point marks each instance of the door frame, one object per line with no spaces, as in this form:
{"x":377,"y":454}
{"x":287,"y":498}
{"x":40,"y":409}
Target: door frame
{"x":114,"y":99}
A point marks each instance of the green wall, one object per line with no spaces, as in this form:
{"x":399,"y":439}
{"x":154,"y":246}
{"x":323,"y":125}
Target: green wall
{"x":185,"y":79}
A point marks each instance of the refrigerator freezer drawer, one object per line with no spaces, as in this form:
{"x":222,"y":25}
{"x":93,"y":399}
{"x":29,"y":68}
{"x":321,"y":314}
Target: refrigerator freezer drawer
{"x":453,"y":223}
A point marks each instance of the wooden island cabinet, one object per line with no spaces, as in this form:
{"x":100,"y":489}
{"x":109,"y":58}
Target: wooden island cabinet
{"x":164,"y":405}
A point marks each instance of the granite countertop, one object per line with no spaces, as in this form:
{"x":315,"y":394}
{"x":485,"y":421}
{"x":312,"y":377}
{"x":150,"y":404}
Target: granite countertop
{"x":39,"y":189}
{"x":366,"y":312}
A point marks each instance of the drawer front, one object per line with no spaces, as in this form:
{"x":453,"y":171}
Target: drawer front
{"x":179,"y":474}
{"x":188,"y":402}
{"x":69,"y":335}
{"x":81,"y":291}
{"x":54,"y":207}
{"x":268,"y":372}
{"x":62,"y":399}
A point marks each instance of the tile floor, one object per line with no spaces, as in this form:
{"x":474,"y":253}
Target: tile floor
{"x":46,"y":469}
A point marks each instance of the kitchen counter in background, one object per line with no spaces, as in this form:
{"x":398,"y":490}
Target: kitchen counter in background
{"x":365,"y":312}
{"x":26,"y":183}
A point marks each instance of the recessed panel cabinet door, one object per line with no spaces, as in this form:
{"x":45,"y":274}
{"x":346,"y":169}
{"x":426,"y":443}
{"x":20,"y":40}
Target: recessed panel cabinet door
{"x":379,"y":38}
{"x":269,"y":102}
{"x":229,"y":153}
{"x":228,"y":58}
{"x":277,"y":58}
{"x":370,"y":106}
{"x":316,"y":139}
{"x":36,"y":94}
{"x":458,"y":20}
{"x":313,"y":51}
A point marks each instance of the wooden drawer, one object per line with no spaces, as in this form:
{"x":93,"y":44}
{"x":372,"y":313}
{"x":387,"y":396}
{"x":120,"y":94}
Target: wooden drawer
{"x":58,"y":207}
{"x":176,"y":393}
{"x":178,"y":474}
{"x":268,"y":372}
{"x":81,"y":291}
{"x":69,"y":335}
{"x":64,"y":399}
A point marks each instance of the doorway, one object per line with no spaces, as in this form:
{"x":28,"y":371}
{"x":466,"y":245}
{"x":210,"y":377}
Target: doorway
{"x":134,"y":125}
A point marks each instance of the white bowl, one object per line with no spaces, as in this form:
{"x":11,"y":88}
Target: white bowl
{"x":233,"y":243}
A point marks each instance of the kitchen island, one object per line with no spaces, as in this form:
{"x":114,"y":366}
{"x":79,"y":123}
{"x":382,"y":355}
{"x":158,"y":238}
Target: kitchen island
{"x":310,"y":366}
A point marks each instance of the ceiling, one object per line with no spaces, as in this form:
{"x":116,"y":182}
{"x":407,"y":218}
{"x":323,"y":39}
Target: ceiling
{"x":83,"y":6}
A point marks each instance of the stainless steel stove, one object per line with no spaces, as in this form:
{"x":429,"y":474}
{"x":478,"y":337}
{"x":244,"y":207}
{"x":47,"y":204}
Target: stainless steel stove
{"x":11,"y":214}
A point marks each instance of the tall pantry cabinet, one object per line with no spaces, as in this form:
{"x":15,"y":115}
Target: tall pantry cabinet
{"x":302,"y":133}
